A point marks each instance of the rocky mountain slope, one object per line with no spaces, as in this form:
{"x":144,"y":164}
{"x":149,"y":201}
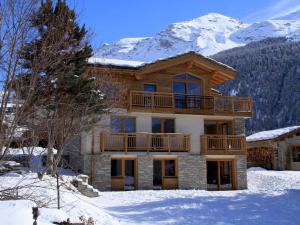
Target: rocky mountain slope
{"x":269,"y":71}
{"x":207,"y":35}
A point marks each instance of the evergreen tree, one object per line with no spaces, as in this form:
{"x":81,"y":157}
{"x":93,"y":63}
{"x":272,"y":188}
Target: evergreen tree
{"x":55,"y":63}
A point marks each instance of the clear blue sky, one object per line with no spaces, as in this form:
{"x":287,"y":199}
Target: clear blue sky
{"x":110,"y":20}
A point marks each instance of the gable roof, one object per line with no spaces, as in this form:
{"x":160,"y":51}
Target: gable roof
{"x":273,"y":134}
{"x":220,"y":71}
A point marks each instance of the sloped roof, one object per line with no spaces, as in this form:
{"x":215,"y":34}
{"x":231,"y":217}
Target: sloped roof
{"x":139,"y":64}
{"x":220,"y":71}
{"x":272,"y":134}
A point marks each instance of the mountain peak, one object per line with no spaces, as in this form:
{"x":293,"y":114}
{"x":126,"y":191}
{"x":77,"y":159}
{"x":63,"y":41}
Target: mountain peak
{"x":207,"y":34}
{"x":291,"y":16}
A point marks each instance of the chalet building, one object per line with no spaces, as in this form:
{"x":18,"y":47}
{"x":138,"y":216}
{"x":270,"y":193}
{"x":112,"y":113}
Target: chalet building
{"x":174,"y":132}
{"x":275,"y":149}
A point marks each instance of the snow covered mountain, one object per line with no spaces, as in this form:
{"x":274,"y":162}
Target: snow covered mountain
{"x":207,"y":35}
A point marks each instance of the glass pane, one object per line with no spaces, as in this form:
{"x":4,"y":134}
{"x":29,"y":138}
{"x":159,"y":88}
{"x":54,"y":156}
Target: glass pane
{"x":190,"y":77}
{"x":116,"y":167}
{"x":179,"y":88}
{"x":194,"y":89}
{"x":225,"y":175}
{"x":150,"y":87}
{"x":129,"y":168}
{"x":157,"y":173}
{"x":212,"y":175}
{"x":116,"y":125}
{"x":169,"y":126}
{"x":156,"y":126}
{"x":180,"y":77}
{"x":129,"y":125}
{"x":170,"y":168}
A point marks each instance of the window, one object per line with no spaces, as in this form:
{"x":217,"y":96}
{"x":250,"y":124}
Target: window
{"x":296,"y":153}
{"x":188,"y":90}
{"x":170,"y":168}
{"x":218,"y":127}
{"x":163,"y":125}
{"x":116,"y":168}
{"x":123,"y":124}
{"x":150,"y":87}
{"x":111,"y":91}
{"x":187,"y":84}
{"x":165,"y":173}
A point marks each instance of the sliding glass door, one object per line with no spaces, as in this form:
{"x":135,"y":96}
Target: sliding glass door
{"x":188,"y":90}
{"x":220,"y":175}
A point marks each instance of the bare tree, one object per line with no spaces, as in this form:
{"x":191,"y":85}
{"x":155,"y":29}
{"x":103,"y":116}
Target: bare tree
{"x":15,"y":31}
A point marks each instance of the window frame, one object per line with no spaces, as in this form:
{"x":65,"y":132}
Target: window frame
{"x":197,"y":80}
{"x":122,"y":124}
{"x":163,"y":166}
{"x":162,"y":123}
{"x":229,"y":122}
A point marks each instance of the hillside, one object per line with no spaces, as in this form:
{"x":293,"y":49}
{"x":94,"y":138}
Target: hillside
{"x":269,"y":71}
{"x":207,"y":35}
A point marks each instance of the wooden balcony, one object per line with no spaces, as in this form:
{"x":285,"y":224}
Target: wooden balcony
{"x":145,"y":142}
{"x":223,"y":145}
{"x":190,"y":104}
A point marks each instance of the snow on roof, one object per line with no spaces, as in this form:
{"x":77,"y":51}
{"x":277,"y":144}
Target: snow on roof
{"x":271,"y":134}
{"x":137,"y":64}
{"x":115,"y":62}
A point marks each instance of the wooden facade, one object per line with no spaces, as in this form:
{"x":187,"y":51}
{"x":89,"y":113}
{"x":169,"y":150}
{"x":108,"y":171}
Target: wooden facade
{"x":162,"y":74}
{"x":147,"y":124}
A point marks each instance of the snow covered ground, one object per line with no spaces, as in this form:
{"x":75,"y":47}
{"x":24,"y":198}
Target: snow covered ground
{"x":273,"y":197}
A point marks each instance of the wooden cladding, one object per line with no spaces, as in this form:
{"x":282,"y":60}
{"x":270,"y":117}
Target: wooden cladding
{"x":149,"y":142}
{"x":189,"y":104}
{"x":223,"y":145}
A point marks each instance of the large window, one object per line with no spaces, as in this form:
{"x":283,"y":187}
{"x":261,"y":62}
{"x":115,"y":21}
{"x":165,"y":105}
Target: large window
{"x":218,"y":127}
{"x":163,"y":125}
{"x":188,"y":90}
{"x":123,"y":124}
{"x":296,"y":153}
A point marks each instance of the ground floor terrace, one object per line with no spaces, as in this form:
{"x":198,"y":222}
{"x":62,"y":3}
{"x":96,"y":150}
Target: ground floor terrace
{"x":119,"y":172}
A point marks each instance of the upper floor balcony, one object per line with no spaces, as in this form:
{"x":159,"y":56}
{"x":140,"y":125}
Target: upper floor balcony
{"x":189,"y":104}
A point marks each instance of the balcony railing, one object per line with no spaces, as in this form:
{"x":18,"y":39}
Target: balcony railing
{"x":147,"y":142}
{"x":223,"y":145}
{"x":193,"y":104}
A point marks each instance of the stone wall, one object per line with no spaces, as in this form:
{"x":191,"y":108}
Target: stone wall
{"x":241,"y":173}
{"x":145,"y":172}
{"x":192,"y":172}
{"x":239,"y":126}
{"x":101,"y":176}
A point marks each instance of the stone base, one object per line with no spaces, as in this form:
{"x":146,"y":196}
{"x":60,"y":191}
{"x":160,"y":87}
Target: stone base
{"x":191,"y":171}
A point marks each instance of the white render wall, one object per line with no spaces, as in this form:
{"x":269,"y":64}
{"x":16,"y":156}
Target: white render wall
{"x":187,"y":124}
